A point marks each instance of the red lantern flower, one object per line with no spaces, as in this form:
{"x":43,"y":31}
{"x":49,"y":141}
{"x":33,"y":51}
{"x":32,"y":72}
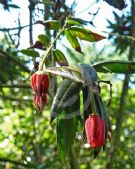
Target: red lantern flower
{"x":95,"y":131}
{"x":40,"y":84}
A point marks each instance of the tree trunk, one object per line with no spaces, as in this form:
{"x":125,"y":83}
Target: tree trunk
{"x":121,"y":109}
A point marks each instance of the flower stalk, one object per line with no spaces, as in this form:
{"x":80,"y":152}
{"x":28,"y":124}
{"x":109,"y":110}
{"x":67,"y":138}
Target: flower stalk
{"x":93,"y":106}
{"x":41,"y":63}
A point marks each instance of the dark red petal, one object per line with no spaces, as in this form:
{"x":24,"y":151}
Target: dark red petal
{"x":33,"y":82}
{"x":90,"y":129}
{"x":39,"y":79}
{"x":45,"y":84}
{"x":103,"y":132}
{"x":42,"y":102}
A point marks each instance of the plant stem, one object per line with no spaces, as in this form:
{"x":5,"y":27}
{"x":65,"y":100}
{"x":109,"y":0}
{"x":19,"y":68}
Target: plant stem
{"x":93,"y":106}
{"x":50,"y":48}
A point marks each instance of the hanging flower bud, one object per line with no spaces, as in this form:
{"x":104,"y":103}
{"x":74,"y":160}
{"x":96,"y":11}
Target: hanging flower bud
{"x":95,"y":131}
{"x":40,"y":84}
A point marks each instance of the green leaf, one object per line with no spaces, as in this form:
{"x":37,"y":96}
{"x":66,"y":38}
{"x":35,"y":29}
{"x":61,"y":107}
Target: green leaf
{"x":50,"y":24}
{"x":66,"y":131}
{"x":44,"y":39}
{"x":88,"y":73}
{"x":65,"y":98}
{"x":60,"y":58}
{"x":76,"y":21}
{"x":126,"y":67}
{"x":85,"y":34}
{"x":73,"y":41}
{"x":66,"y":106}
{"x":73,"y":22}
{"x":30,"y":52}
{"x":66,"y":72}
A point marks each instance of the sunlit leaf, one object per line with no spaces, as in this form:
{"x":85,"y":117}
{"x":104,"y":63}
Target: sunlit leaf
{"x":30,"y":52}
{"x":73,"y":41}
{"x":85,"y":34}
{"x":60,"y":58}
{"x":77,"y":21}
{"x":71,"y":21}
{"x":44,"y":39}
{"x":66,"y":72}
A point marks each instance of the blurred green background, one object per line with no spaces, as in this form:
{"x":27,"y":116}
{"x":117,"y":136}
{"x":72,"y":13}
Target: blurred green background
{"x":27,"y":140}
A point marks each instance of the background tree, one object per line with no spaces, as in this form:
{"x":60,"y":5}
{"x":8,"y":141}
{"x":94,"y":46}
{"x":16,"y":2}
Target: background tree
{"x":29,"y":137}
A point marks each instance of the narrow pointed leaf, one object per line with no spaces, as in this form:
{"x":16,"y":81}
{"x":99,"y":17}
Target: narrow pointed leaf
{"x":73,"y":41}
{"x":77,"y":21}
{"x":71,"y":21}
{"x":30,"y":52}
{"x":44,"y":39}
{"x":85,"y":34}
{"x":50,"y":24}
{"x":126,"y":67}
{"x":60,"y":58}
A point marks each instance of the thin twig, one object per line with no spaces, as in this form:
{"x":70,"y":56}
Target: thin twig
{"x":24,"y":86}
{"x":11,"y":29}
